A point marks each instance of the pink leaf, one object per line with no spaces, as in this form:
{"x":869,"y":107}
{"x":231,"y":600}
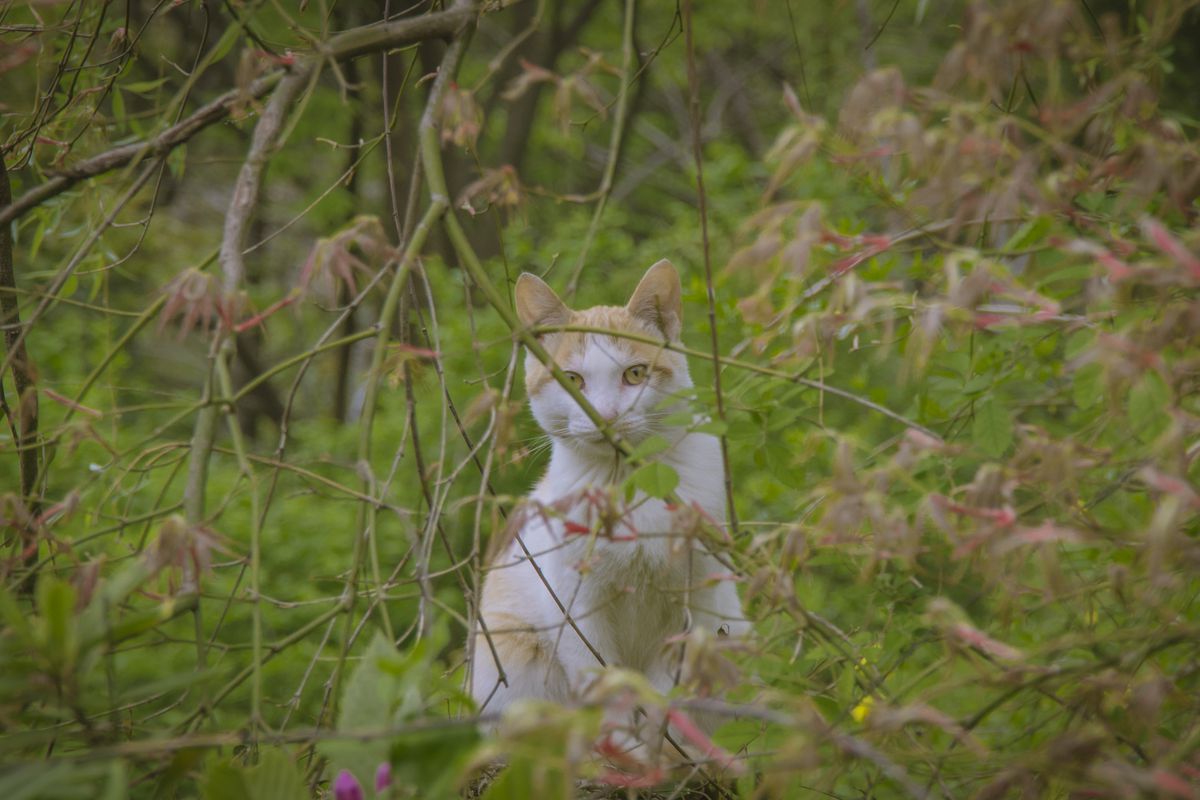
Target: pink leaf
{"x":1172,"y":784}
{"x":1174,"y":248}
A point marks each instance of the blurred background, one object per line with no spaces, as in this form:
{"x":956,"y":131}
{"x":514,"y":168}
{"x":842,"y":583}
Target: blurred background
{"x":256,"y":440}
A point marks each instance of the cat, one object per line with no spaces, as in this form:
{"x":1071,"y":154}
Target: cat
{"x":624,"y":574}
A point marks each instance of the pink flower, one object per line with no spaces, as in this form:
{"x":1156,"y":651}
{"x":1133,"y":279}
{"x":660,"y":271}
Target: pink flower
{"x":347,"y":787}
{"x":383,"y":777}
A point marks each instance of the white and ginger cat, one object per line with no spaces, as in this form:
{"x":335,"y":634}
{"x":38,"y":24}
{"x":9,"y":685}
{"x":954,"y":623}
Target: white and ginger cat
{"x":624,"y":572}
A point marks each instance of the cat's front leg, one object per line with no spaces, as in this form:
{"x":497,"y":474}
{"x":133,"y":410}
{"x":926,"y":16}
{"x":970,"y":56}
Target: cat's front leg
{"x":513,"y":661}
{"x":575,"y":646}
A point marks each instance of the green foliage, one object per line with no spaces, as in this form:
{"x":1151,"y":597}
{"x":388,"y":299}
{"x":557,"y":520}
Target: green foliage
{"x":388,"y":692}
{"x":274,"y":777}
{"x":956,"y":304}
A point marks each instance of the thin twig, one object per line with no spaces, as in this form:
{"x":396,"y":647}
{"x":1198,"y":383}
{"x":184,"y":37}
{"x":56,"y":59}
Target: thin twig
{"x":620,"y":116}
{"x":702,"y":196}
{"x":348,"y":44}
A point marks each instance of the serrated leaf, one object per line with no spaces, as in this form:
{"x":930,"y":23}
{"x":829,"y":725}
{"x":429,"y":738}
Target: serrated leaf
{"x":992,"y":430}
{"x":657,"y":480}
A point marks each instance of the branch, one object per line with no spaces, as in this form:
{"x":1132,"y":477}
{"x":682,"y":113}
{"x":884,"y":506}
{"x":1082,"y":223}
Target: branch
{"x":396,"y":33}
{"x":620,"y":117}
{"x":439,"y":203}
{"x":24,"y":418}
{"x":728,"y":361}
{"x":348,"y":44}
{"x":249,"y":180}
{"x":163,"y":143}
{"x":698,"y":156}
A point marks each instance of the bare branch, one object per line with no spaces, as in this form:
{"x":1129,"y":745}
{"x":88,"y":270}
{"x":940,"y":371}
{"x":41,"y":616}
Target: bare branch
{"x":24,"y":418}
{"x":348,"y":44}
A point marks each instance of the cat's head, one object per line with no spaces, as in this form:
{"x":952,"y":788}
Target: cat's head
{"x":626,"y":380}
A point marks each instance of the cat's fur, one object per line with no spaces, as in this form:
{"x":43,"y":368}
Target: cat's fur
{"x":637,"y":579}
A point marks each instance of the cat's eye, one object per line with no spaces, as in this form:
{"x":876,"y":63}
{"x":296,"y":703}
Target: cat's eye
{"x":636,"y":374}
{"x":575,"y":378}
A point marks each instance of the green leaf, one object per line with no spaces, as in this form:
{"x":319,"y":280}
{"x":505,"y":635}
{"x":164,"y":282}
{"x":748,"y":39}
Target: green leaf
{"x":139,"y":87}
{"x":15,"y":618}
{"x":39,"y":233}
{"x":435,"y":761}
{"x":1148,"y":402}
{"x":1078,"y":342}
{"x":649,"y":447}
{"x":39,"y":780}
{"x":1087,"y":385}
{"x":225,"y":781}
{"x":224,"y":44}
{"x":276,"y":777}
{"x":992,"y":430}
{"x":118,"y":105}
{"x":1029,"y":234}
{"x":117,"y":785}
{"x":177,"y":161}
{"x":56,"y":605}
{"x":714,"y":427}
{"x":70,"y":285}
{"x":177,"y":771}
{"x":368,"y":700}
{"x":657,"y":480}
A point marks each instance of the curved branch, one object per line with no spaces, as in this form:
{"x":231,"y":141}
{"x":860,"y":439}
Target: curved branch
{"x":249,"y":180}
{"x":348,"y":44}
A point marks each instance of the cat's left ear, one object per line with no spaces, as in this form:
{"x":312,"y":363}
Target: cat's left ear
{"x":537,"y":304}
{"x":658,"y":299}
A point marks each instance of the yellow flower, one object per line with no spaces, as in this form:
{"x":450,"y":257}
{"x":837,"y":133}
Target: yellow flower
{"x":861,"y":711}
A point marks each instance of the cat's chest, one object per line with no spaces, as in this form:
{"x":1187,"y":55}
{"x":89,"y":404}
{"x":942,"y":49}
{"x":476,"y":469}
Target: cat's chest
{"x":611,"y":537}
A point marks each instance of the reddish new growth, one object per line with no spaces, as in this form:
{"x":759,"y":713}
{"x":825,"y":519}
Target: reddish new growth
{"x":196,"y":298}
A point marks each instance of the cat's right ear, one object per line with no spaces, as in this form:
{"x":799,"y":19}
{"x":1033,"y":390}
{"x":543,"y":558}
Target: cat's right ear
{"x":537,"y":304}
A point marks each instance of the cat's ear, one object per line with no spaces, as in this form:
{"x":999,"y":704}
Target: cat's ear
{"x":657,"y":299}
{"x":537,"y":304}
